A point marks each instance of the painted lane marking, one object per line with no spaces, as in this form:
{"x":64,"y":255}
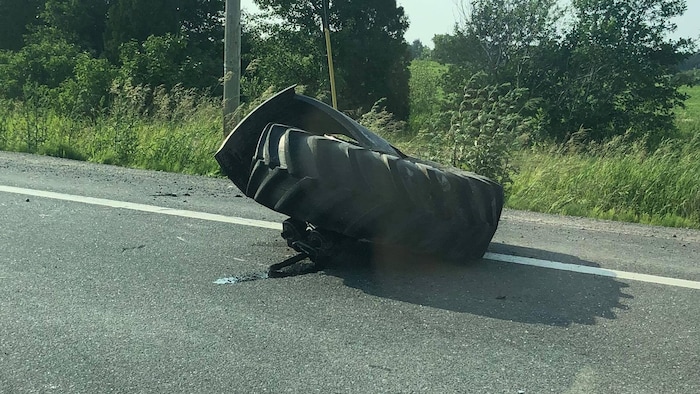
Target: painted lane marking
{"x":582,"y":269}
{"x":277,"y":226}
{"x":143,"y":208}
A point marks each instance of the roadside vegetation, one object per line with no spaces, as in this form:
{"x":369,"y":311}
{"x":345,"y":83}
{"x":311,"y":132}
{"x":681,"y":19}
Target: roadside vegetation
{"x":618,"y":179}
{"x":599,"y":117}
{"x":179,"y":133}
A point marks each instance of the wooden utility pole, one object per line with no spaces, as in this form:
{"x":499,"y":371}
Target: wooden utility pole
{"x":329,"y":52}
{"x":232,"y":62}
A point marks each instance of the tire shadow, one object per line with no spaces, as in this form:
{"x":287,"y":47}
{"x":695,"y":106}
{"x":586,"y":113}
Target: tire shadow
{"x":488,"y":288}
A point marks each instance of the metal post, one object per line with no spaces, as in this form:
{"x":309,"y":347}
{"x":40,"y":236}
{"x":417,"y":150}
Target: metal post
{"x":232,"y":62}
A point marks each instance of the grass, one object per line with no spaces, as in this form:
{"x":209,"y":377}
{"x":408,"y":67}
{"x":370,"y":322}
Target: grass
{"x":661,"y":188}
{"x":179,"y":133}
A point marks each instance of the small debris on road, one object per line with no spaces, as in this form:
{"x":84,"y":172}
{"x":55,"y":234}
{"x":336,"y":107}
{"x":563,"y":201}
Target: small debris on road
{"x":243,"y":278}
{"x":133,"y":248}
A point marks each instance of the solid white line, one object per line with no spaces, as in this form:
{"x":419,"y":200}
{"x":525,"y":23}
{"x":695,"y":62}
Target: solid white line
{"x":143,"y":208}
{"x":277,"y":226}
{"x":593,"y":270}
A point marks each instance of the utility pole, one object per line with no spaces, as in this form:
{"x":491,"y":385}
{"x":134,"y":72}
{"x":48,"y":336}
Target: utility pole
{"x":329,"y":52}
{"x":232,"y":62}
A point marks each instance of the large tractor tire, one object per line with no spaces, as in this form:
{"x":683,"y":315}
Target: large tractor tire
{"x":365,"y":190}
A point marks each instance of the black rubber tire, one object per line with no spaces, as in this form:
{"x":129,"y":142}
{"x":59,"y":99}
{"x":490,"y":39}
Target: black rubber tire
{"x":363,"y":194}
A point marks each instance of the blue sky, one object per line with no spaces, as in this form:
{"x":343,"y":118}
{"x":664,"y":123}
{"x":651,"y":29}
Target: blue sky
{"x":430,"y":17}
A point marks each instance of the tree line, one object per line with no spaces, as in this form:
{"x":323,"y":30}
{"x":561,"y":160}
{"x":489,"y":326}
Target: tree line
{"x":605,"y":67}
{"x":77,"y":50}
{"x":598,"y":69}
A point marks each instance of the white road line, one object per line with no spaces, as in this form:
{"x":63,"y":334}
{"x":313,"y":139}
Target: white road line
{"x":583,"y":269}
{"x":143,"y":208}
{"x":277,"y":226}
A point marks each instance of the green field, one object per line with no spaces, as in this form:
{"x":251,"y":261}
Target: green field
{"x":688,"y":118}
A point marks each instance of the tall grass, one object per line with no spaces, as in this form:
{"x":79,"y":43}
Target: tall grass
{"x":177,"y":130}
{"x":662,"y":187}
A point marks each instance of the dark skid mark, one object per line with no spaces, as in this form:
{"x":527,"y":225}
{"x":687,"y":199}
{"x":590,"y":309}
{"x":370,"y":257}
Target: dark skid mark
{"x":133,"y":248}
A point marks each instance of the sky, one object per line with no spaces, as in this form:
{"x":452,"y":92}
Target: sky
{"x":430,"y":17}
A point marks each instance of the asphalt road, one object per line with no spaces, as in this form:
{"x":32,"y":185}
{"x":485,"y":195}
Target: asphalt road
{"x":99,"y":299}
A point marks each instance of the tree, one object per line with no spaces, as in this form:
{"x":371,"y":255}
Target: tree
{"x":15,"y":16}
{"x":154,"y":42}
{"x":47,"y":60}
{"x":371,"y":55}
{"x":691,"y":63}
{"x":501,"y":36}
{"x":620,"y":63}
{"x":137,"y":20}
{"x":608,"y":72}
{"x":163,"y":60}
{"x":451,"y":48}
{"x":419,"y":51}
{"x":81,"y":22}
{"x":510,"y":41}
{"x":185,"y":34}
{"x":198,"y":20}
{"x":201,"y":21}
{"x":279,"y":57}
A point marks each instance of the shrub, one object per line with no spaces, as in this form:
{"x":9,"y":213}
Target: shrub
{"x":485,"y":130}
